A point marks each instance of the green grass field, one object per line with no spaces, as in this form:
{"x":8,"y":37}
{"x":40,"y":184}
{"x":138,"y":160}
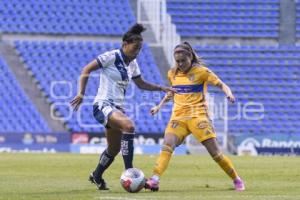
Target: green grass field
{"x":64,"y":176}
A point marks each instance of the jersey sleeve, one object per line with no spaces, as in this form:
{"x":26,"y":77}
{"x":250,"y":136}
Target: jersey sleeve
{"x":106,"y":59}
{"x":211,"y":77}
{"x":169,"y":75}
{"x":137,"y":72}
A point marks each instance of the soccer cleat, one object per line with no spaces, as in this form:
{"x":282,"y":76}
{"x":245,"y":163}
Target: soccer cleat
{"x":101,"y":185}
{"x":152,"y":185}
{"x":239,"y":184}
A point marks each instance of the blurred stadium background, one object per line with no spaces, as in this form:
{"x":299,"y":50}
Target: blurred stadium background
{"x":253,"y":45}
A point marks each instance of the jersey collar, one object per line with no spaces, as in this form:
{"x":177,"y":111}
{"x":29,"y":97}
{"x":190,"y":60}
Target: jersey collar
{"x":188,"y":70}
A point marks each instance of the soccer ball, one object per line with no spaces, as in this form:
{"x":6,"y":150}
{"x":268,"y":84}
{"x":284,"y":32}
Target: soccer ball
{"x":133,"y":180}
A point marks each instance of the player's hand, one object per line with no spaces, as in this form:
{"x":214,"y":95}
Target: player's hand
{"x":76,"y":101}
{"x":231,"y":98}
{"x":170,"y":95}
{"x":168,"y":89}
{"x":154,"y":110}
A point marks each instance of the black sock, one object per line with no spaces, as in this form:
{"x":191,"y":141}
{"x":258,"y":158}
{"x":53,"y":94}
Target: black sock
{"x":104,"y":163}
{"x":127,"y":149}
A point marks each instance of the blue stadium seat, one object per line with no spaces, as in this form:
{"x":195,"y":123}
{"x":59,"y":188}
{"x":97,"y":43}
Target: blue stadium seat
{"x":20,"y":114}
{"x":63,"y":61}
{"x":97,"y":17}
{"x":268,"y":75}
{"x":298,"y":19}
{"x":218,"y":18}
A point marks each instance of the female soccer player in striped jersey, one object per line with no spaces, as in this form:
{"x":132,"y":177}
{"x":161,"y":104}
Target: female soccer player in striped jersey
{"x":117,"y":68}
{"x":190,"y":78}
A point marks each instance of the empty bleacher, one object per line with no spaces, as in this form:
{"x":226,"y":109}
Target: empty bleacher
{"x":225,"y":18}
{"x":266,"y":75}
{"x":261,"y":74}
{"x":17,"y":114}
{"x":269,"y":76}
{"x":78,"y":17}
{"x":298,"y":19}
{"x":57,"y":66}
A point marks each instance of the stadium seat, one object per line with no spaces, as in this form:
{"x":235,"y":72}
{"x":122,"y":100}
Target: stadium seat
{"x":20,"y":114}
{"x":266,"y":75}
{"x":298,"y":19}
{"x":58,"y":73}
{"x":103,"y":17}
{"x":217,"y":18}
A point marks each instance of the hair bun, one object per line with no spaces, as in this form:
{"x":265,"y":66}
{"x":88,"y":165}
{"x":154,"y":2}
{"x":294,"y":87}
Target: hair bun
{"x":137,"y":29}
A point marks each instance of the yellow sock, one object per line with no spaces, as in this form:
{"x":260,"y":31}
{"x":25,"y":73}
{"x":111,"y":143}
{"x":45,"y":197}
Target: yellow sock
{"x":226,"y":164}
{"x":163,"y":161}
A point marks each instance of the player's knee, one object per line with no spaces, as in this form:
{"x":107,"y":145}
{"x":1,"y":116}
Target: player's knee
{"x":170,"y":143}
{"x":168,"y":147}
{"x":129,"y":127}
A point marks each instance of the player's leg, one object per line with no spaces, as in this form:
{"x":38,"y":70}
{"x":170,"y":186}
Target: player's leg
{"x":203,"y":130}
{"x":162,"y":162}
{"x":116,"y":123}
{"x":170,"y":142}
{"x":224,"y":162}
{"x":175,"y":133}
{"x":120,"y":121}
{"x":113,"y":137}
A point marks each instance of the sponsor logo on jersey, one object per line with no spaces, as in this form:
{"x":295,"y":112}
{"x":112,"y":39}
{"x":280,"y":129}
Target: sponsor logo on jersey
{"x":202,"y":124}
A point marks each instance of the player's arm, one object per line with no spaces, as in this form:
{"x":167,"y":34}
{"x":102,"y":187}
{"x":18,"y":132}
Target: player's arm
{"x":167,"y":98}
{"x":226,"y":89}
{"x":84,"y":76}
{"x":143,"y":85}
{"x":213,"y":79}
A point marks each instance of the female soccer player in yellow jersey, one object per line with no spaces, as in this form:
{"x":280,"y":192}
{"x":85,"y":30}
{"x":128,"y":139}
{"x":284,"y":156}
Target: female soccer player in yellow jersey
{"x":190,"y":78}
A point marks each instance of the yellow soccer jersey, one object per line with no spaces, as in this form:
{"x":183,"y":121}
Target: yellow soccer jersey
{"x":189,"y":101}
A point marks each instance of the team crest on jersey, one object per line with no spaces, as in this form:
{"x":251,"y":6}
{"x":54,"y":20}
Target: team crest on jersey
{"x":191,"y":77}
{"x":202,"y":124}
{"x":174,"y":124}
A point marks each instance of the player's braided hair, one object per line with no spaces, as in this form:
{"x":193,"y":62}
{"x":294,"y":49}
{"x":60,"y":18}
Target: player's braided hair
{"x":188,"y":50}
{"x":134,"y":33}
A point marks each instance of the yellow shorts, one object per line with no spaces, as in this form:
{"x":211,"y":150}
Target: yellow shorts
{"x":200,"y":127}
